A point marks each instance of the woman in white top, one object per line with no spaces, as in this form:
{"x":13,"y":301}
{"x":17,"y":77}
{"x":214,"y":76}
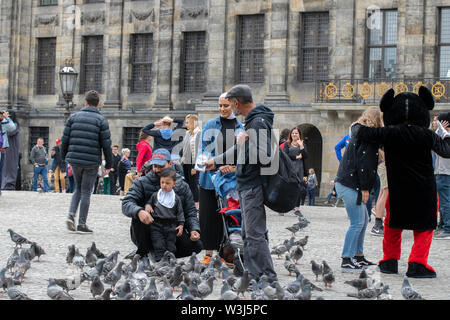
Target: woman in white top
{"x":190,"y":150}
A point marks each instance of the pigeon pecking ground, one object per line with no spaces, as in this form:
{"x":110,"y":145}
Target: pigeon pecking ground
{"x":41,"y":218}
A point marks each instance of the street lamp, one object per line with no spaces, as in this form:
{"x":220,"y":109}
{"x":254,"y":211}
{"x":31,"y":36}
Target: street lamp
{"x":68,"y":77}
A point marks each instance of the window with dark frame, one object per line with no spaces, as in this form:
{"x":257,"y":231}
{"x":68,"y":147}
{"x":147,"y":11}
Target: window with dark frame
{"x":141,"y":63}
{"x":93,"y":1}
{"x":92,"y":64}
{"x":381,"y":59}
{"x":130,"y":140}
{"x":313,"y":53}
{"x":46,"y":63}
{"x":193,"y":62}
{"x":250,"y":49}
{"x":48,"y":2}
{"x":38,"y":132}
{"x":444,"y":43}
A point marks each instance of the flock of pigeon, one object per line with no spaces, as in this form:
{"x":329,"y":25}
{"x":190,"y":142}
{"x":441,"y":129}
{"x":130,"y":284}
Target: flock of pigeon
{"x":181,"y":280}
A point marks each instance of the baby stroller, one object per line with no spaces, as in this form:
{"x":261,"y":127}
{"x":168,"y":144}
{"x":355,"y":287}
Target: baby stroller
{"x":229,"y":208}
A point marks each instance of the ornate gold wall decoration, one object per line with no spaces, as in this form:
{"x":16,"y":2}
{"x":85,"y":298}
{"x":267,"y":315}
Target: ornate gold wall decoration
{"x":400,"y":88}
{"x":382,"y":88}
{"x":365,"y":90}
{"x":438,"y":90}
{"x":331,"y":90}
{"x":348,"y":90}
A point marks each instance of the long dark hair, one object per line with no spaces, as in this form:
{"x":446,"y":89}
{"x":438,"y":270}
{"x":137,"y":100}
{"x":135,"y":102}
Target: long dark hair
{"x":289,"y":141}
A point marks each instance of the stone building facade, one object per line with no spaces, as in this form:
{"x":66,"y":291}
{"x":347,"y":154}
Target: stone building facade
{"x":316,"y":63}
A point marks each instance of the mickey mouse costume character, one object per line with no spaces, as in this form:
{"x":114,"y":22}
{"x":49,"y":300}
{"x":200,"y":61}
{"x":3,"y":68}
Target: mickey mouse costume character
{"x":407,"y":144}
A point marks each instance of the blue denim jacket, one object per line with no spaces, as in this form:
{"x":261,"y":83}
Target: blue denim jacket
{"x":7,"y":126}
{"x":208,"y":143}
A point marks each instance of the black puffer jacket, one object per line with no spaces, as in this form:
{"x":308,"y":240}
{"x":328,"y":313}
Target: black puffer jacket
{"x":85,"y":135}
{"x":358,"y":168}
{"x":142,"y":189}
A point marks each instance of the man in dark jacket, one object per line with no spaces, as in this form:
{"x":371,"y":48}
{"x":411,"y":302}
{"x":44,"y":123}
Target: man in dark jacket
{"x":85,"y":135}
{"x":58,"y":168}
{"x":254,"y":157}
{"x":133,"y":206}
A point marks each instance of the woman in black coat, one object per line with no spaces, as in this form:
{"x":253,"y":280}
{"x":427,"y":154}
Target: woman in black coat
{"x":296,"y":150}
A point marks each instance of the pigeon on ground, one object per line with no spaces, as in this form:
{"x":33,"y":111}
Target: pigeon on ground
{"x":29,"y":254}
{"x":296,"y":254}
{"x":168,"y":294}
{"x":384,"y":293}
{"x":294,"y":228}
{"x":367,"y":293}
{"x":298,"y":213}
{"x":205,"y":288}
{"x":97,"y":252}
{"x":114,"y":276}
{"x":326,"y":268}
{"x":110,"y":262}
{"x":132,"y":266}
{"x":264,"y":281}
{"x":140,"y":276}
{"x":106,"y":295}
{"x":78,"y":260}
{"x":317,"y":269}
{"x":55,"y":292}
{"x":124,"y":292}
{"x":408,"y":292}
{"x":294,"y":286}
{"x":302,"y":242}
{"x":22,"y":264}
{"x":305,"y":294}
{"x":12,"y":259}
{"x":14,"y":293}
{"x":193,"y":288}
{"x":130,"y":255}
{"x":290,"y":243}
{"x":152,"y":292}
{"x":18,"y":239}
{"x":70,"y":254}
{"x":279,"y":250}
{"x":359,"y":284}
{"x":68,"y":284}
{"x":90,"y":257}
{"x":256,"y":293}
{"x":177,"y":277}
{"x":185,"y":294}
{"x":242,"y":284}
{"x":226,"y":293}
{"x":3,"y":284}
{"x":274,"y":291}
{"x":18,"y":277}
{"x":93,"y":272}
{"x":289,"y":265}
{"x":97,"y":287}
{"x":37,"y":249}
{"x":328,"y":279}
{"x":306,"y":282}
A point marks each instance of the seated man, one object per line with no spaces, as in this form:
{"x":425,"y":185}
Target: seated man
{"x":133,"y":206}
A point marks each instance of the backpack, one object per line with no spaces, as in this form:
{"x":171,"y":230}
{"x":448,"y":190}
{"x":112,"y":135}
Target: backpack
{"x":281,"y":190}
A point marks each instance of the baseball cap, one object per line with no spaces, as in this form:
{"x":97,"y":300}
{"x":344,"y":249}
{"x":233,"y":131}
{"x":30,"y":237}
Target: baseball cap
{"x":160,"y":157}
{"x":240,"y":91}
{"x":58,"y":141}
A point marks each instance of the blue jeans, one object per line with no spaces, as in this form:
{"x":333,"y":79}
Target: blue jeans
{"x":41,"y":170}
{"x":443,"y":189}
{"x":354,"y":239}
{"x":311,"y":196}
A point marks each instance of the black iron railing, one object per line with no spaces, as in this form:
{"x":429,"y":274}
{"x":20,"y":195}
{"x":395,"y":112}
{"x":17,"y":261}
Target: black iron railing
{"x":371,"y":91}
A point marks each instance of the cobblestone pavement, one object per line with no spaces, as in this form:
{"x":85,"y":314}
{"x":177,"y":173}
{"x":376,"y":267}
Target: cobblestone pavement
{"x":41,"y":218}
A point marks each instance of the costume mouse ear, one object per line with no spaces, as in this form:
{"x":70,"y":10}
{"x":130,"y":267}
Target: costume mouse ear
{"x":387,"y":101}
{"x":427,"y":97}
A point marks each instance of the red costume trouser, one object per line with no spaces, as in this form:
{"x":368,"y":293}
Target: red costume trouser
{"x":392,"y":242}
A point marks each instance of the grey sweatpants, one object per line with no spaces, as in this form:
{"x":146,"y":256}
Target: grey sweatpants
{"x":257,"y":258}
{"x":84,"y":184}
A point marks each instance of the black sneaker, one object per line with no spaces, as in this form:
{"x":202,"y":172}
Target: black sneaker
{"x":361,"y":260}
{"x":350,"y":266}
{"x":70,"y":222}
{"x":83,"y":229}
{"x":377,"y":230}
